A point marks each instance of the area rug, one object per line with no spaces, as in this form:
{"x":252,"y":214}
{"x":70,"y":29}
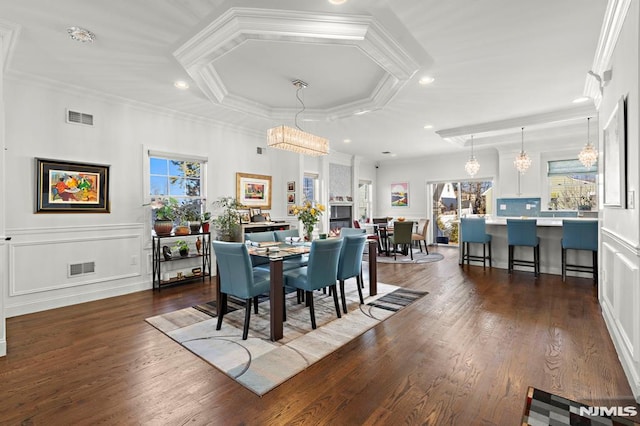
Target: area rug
{"x":543,"y":408}
{"x":260,"y":364}
{"x":418,"y":257}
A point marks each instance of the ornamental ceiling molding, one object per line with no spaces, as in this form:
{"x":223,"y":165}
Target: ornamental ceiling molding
{"x":614,"y":18}
{"x":238,"y":25}
{"x":460,"y":135}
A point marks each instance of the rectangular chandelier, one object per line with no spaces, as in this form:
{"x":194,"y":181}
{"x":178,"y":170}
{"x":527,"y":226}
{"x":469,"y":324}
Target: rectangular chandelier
{"x":296,"y":140}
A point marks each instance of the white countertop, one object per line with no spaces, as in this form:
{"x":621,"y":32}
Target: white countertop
{"x":540,"y":221}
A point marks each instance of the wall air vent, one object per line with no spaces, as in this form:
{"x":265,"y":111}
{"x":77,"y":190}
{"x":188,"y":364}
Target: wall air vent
{"x":76,"y":117}
{"x":76,"y":269}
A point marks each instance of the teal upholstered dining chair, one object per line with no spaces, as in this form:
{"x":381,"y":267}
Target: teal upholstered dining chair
{"x":260,"y":237}
{"x":580,"y":235}
{"x":282,"y":235}
{"x":238,"y":278}
{"x":321,"y":272}
{"x":523,"y":232}
{"x":401,"y":236}
{"x":352,"y":231}
{"x":350,"y":264}
{"x":474,"y":230}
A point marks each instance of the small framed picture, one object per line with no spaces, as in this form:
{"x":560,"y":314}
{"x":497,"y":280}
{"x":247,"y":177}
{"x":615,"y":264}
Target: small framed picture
{"x":267,"y":216}
{"x":291,"y":186}
{"x":349,"y":198}
{"x":290,"y":210}
{"x":255,"y":211}
{"x":244,"y":217}
{"x":291,"y":198}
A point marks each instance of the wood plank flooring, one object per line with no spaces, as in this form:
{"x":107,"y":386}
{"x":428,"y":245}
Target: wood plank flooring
{"x":463,"y":355}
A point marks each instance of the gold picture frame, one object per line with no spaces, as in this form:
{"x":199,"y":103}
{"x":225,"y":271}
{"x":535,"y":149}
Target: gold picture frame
{"x":253,"y":190}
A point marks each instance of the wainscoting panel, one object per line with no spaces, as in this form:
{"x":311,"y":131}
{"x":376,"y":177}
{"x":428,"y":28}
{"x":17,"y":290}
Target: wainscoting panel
{"x":620,"y":299}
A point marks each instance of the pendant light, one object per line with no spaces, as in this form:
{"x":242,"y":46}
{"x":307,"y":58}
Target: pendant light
{"x":588,"y":156}
{"x":522,"y":161}
{"x":472,"y":167}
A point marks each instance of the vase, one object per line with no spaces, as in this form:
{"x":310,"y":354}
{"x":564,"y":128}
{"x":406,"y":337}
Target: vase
{"x":194,"y":225}
{"x":162,"y":227}
{"x":308,"y":232}
{"x":198,"y":245}
{"x":205,"y":227}
{"x":182,"y":230}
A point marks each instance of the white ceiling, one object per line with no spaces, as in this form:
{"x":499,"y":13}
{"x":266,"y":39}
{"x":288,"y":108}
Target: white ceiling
{"x":498,"y":64}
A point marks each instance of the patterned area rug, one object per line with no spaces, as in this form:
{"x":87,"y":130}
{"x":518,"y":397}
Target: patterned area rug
{"x":260,"y":364}
{"x":543,"y":408}
{"x":418,"y":257}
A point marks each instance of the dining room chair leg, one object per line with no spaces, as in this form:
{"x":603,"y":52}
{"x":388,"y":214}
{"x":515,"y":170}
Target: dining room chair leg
{"x":222,"y":309}
{"x":410,"y":251}
{"x":564,"y":264}
{"x":484,"y":256}
{"x":247,"y":317}
{"x":342,"y":296}
{"x":360,"y":282}
{"x":312,"y":312}
{"x":255,"y":305}
{"x":335,"y":300}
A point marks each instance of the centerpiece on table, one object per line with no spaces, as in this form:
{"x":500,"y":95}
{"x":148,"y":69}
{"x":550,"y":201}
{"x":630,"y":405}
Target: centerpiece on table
{"x":309,"y":214}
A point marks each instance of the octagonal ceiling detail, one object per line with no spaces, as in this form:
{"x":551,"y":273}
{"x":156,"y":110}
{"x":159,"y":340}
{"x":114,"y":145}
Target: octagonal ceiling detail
{"x":374,"y":64}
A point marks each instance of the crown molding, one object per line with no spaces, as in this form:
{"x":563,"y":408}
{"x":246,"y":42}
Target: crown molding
{"x":459,"y":135}
{"x":237,"y":25}
{"x":614,"y":18}
{"x":9,"y":34}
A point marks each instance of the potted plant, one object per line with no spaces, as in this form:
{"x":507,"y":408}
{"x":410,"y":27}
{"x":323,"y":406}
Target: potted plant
{"x":192,"y":215}
{"x":165,"y":213}
{"x":227,"y":221}
{"x":206,"y":219}
{"x":182,"y":247}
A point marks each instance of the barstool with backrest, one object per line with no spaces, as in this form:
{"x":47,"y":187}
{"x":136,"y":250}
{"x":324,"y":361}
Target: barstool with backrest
{"x":580,"y":235}
{"x":523,"y":232}
{"x":474,"y":230}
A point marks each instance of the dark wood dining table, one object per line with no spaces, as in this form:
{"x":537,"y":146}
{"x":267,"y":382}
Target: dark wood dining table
{"x":276,"y":297}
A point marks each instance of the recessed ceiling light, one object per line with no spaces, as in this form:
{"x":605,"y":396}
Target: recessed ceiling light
{"x":347,"y":141}
{"x":337,"y":1}
{"x":581,"y":99}
{"x":428,"y":126}
{"x":81,"y":34}
{"x":181,"y":84}
{"x":427,"y":79}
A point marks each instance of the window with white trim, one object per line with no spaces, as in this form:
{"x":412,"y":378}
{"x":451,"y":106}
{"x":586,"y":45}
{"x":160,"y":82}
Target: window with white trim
{"x":572,"y":186}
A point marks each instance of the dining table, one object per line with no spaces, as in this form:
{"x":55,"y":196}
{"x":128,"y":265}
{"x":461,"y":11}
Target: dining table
{"x":276,"y":254}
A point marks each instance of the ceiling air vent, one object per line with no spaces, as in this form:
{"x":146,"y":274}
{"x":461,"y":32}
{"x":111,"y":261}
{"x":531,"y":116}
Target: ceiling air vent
{"x":79,"y":118}
{"x":76,"y":269}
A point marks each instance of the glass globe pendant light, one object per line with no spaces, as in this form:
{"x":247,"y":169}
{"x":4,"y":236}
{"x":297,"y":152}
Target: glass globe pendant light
{"x":472,"y":167}
{"x":588,"y":156}
{"x":522,"y":161}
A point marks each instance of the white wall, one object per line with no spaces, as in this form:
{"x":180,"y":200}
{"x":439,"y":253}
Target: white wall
{"x":619,"y":290}
{"x":43,"y":245}
{"x":4,"y":275}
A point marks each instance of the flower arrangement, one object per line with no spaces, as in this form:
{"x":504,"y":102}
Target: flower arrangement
{"x":309,"y":214}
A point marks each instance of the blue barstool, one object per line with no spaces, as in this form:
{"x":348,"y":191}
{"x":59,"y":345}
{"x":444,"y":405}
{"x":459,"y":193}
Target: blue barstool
{"x":523,"y":232}
{"x":473,"y":230}
{"x":580,"y":235}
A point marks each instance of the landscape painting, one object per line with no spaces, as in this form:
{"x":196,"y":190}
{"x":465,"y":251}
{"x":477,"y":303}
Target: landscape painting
{"x":400,"y":194}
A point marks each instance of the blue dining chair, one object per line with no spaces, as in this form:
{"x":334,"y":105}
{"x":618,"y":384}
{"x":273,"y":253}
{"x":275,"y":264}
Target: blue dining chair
{"x":238,"y":278}
{"x":474,"y":230}
{"x":523,"y":232}
{"x":352,"y":231}
{"x":350,"y":264}
{"x":321,"y":272}
{"x":282,"y":235}
{"x":580,"y":235}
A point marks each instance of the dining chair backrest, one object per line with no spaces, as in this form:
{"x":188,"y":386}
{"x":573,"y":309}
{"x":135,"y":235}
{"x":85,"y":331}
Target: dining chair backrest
{"x":356,"y":224}
{"x":422,"y":224}
{"x":402,"y":232}
{"x":580,"y":234}
{"x":322,"y":269}
{"x":260,"y":237}
{"x":473,"y":230}
{"x":380,"y":220}
{"x":350,"y":262}
{"x":522,"y":232}
{"x":282,"y":235}
{"x":351,"y":231}
{"x":234,"y":269}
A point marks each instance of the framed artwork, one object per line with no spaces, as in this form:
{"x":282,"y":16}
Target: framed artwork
{"x":254,"y":212}
{"x":267,"y":216}
{"x":70,"y":187}
{"x":253,"y":190}
{"x":245,"y":217}
{"x":291,"y":197}
{"x":400,"y":194}
{"x":290,"y":210}
{"x":291,"y":186}
{"x":615,"y":158}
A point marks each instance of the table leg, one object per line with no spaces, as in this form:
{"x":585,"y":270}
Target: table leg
{"x":276,"y":299}
{"x":218,"y":293}
{"x":373,"y":269}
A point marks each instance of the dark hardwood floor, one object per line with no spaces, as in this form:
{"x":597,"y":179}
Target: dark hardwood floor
{"x":463,"y":355}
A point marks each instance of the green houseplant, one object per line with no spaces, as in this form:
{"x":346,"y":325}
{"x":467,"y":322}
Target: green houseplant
{"x":165,"y":211}
{"x":227,"y":221}
{"x":182,"y":247}
{"x":206,"y":219}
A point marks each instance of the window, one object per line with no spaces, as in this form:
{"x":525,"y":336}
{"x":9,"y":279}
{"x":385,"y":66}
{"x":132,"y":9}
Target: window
{"x":572,"y":186}
{"x":364,"y":200}
{"x":181,"y":179}
{"x":310,"y":188}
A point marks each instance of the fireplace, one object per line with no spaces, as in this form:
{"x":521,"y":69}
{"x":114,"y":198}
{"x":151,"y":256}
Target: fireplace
{"x":341,"y":217}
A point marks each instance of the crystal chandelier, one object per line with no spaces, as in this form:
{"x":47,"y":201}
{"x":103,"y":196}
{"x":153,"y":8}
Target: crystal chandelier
{"x":588,"y":156}
{"x":522,"y":161}
{"x":295,"y":139}
{"x":472,"y":167}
